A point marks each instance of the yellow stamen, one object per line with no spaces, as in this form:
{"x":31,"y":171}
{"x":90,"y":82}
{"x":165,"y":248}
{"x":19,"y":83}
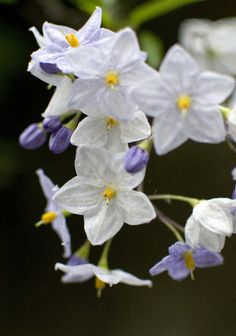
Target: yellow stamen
{"x":108,"y":194}
{"x":99,"y":284}
{"x":72,"y":40}
{"x":48,"y":217}
{"x":188,"y":260}
{"x":112,"y":79}
{"x":111,"y":122}
{"x":184,"y":102}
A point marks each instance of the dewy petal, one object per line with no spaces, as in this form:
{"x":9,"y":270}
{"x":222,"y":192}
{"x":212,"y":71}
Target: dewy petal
{"x":165,"y":136}
{"x":205,"y":258}
{"x":90,"y":131}
{"x":162,"y":265}
{"x":60,"y":227}
{"x":210,"y":215}
{"x":178,"y":68}
{"x":212,"y":88}
{"x":77,"y":197}
{"x":59,"y":103}
{"x":130,"y":279}
{"x":80,"y":273}
{"x":136,"y":129}
{"x":178,"y":270}
{"x":205,"y":124}
{"x":135,"y":207}
{"x":102,"y":222}
{"x":197,"y":236}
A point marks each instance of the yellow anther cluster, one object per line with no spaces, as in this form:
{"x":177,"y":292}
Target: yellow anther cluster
{"x":184,"y":102}
{"x":111,"y":122}
{"x":72,"y":40}
{"x":48,"y":217}
{"x":108,"y":194}
{"x":188,"y":260}
{"x":99,"y":284}
{"x":112,"y":79}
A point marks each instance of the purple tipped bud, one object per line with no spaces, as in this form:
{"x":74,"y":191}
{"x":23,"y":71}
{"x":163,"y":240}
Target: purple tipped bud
{"x":51,"y":124}
{"x":60,"y":140}
{"x":75,"y":261}
{"x":50,"y":68}
{"x":32,"y":137}
{"x":136,"y":159}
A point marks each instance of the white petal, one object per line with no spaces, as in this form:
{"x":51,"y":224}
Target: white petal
{"x":92,"y":26}
{"x":90,"y":131}
{"x":168,"y":132}
{"x":212,"y":88}
{"x":77,"y":197}
{"x":60,"y":227}
{"x":135,"y":207}
{"x":78,"y":273}
{"x":36,"y":70}
{"x":39,"y":38}
{"x":102,"y":222}
{"x":114,"y":142}
{"x":58,"y":104}
{"x":136,"y":129}
{"x":178,"y":69}
{"x":46,"y":184}
{"x":130,"y":279}
{"x":198,"y":236}
{"x":213,"y":217}
{"x":205,"y":124}
{"x":55,"y":34}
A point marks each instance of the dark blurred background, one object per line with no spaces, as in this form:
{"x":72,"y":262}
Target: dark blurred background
{"x":33,"y":301}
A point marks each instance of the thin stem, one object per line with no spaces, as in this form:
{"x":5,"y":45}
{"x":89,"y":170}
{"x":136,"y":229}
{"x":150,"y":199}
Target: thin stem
{"x":168,"y":197}
{"x":103,"y":261}
{"x":170,"y":224}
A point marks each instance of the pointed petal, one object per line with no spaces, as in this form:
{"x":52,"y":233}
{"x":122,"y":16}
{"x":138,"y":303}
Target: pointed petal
{"x":75,"y":274}
{"x":46,"y":184}
{"x":205,"y":258}
{"x":60,"y":227}
{"x":135,"y":207}
{"x":130,"y":279}
{"x":136,"y":129}
{"x":161,"y":266}
{"x":178,"y":270}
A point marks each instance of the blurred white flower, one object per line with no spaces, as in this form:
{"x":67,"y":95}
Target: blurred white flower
{"x":212,"y":44}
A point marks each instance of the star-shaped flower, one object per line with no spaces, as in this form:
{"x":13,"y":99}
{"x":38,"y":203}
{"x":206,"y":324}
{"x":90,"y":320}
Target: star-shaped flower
{"x":211,"y":221}
{"x":184,"y":102}
{"x":102,"y":192}
{"x":53,"y":212}
{"x":110,"y":133}
{"x":105,"y":74}
{"x":182,"y":260}
{"x":82,"y":273}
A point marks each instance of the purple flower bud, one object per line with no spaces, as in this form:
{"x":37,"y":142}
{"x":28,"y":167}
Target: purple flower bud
{"x":60,"y":140}
{"x":136,"y":159}
{"x":51,"y":124}
{"x":75,"y":261}
{"x":50,"y":68}
{"x":32,"y":137}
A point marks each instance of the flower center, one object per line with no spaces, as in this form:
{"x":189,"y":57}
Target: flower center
{"x":72,"y":40}
{"x":184,"y":102}
{"x":112,"y":79}
{"x":111,"y":122}
{"x":188,"y":260}
{"x":108,"y":194}
{"x":48,"y":217}
{"x":99,"y":284}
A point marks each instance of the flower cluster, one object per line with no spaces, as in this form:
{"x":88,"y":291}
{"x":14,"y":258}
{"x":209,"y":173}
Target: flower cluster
{"x":104,"y":94}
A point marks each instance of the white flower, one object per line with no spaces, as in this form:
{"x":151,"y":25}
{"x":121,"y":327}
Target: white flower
{"x":231,"y":123}
{"x":209,"y":224}
{"x":83,"y":273}
{"x":105,"y":74}
{"x":59,"y":103}
{"x":212,"y":44}
{"x":184,"y":102}
{"x":102,"y":192}
{"x":111,"y":134}
{"x":54,"y":211}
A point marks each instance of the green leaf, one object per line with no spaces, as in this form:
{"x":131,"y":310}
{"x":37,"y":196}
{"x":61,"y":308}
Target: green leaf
{"x":153,"y":45}
{"x":151,"y":9}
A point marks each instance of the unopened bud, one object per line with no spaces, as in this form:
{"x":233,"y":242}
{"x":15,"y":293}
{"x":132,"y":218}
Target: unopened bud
{"x":50,"y":68}
{"x":51,"y":124}
{"x":136,"y":159}
{"x":32,"y":137}
{"x":60,"y":140}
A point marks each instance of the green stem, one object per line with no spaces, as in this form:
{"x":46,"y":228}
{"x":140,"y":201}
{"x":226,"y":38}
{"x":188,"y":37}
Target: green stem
{"x":84,"y":250}
{"x":103,"y":261}
{"x":168,"y":197}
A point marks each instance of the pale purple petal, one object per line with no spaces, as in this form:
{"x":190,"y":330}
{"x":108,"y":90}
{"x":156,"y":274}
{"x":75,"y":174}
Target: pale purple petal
{"x":205,"y":258}
{"x":162,"y":265}
{"x":178,"y":270}
{"x":177,"y":249}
